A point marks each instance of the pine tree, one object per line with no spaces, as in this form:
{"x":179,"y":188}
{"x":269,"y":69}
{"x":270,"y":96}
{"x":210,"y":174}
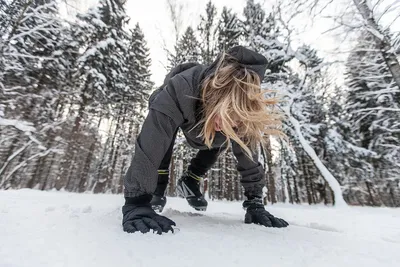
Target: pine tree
{"x":101,"y":67}
{"x":139,"y":67}
{"x":100,"y":76}
{"x":229,"y":31}
{"x":186,"y":50}
{"x":371,"y":106}
{"x":368,"y":92}
{"x":30,"y":52}
{"x":208,"y":31}
{"x":349,"y":162}
{"x":262,"y":34}
{"x":33,"y":74}
{"x":65,"y":54}
{"x":140,"y":86}
{"x":254,"y":23}
{"x":129,"y":112}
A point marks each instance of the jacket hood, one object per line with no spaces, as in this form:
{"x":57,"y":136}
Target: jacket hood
{"x":246,"y":58}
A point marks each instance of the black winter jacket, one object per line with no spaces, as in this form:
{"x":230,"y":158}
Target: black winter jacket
{"x":177,"y":104}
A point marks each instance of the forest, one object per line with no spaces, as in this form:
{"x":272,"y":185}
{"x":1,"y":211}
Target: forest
{"x":74,"y":93}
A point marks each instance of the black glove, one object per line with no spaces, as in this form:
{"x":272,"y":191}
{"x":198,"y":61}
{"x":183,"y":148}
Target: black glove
{"x":139,"y":216}
{"x":256,"y":213}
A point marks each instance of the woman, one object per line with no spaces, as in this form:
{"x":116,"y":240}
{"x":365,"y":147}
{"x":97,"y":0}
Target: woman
{"x":215,"y":106}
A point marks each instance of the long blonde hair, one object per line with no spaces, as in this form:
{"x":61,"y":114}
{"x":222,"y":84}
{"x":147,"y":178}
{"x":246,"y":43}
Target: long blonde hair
{"x":233,"y":93}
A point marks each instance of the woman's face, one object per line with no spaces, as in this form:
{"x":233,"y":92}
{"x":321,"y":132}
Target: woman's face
{"x":217,"y":123}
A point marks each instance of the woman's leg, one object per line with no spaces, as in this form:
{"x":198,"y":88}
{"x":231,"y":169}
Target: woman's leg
{"x":203,"y":161}
{"x":189,"y":184}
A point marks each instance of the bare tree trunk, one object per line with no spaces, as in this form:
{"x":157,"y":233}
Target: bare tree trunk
{"x":236,"y":188}
{"x":230,"y":175}
{"x":382,"y":41}
{"x":371,"y":197}
{"x":10,"y":155}
{"x":116,"y":155}
{"x":125,"y":161}
{"x":99,"y":183}
{"x":22,"y":159}
{"x":85,"y":173}
{"x":212,"y":182}
{"x":313,"y":190}
{"x":35,"y":178}
{"x":45,"y":177}
{"x":72,"y":145}
{"x":175,"y":12}
{"x":220,"y":173}
{"x":224,"y":177}
{"x":283,"y":192}
{"x":172,"y":178}
{"x":38,"y":173}
{"x":271,"y":175}
{"x":114,"y":137}
{"x":17,"y":23}
{"x":289,"y":190}
{"x":296,"y":191}
{"x":307,"y":178}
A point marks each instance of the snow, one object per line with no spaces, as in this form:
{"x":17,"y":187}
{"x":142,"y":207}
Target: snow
{"x":103,"y":44}
{"x":65,"y":229}
{"x":20,"y":125}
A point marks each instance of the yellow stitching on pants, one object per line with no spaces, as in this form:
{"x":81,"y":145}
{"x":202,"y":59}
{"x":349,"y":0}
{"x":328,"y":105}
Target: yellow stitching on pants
{"x":163,"y":171}
{"x":194,"y":176}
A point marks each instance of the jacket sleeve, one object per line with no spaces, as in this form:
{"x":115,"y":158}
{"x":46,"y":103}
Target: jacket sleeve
{"x":155,"y":138}
{"x":252,"y":172}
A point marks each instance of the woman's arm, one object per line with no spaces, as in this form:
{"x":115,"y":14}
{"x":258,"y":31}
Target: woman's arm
{"x":253,"y":181}
{"x":156,"y":136}
{"x":252,"y":172}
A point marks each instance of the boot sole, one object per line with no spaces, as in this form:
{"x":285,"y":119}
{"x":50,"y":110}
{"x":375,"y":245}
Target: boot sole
{"x":182,"y":195}
{"x":157,"y":208}
{"x":199,"y":208}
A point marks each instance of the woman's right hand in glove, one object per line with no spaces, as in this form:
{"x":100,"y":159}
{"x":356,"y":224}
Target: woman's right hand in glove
{"x":139,"y":216}
{"x":256,"y":213}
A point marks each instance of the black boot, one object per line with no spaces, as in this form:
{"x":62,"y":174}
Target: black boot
{"x":189,"y":188}
{"x":159,"y":200}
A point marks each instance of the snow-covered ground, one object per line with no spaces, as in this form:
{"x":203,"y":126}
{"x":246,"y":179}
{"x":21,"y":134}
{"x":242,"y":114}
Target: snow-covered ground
{"x":63,"y":229}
